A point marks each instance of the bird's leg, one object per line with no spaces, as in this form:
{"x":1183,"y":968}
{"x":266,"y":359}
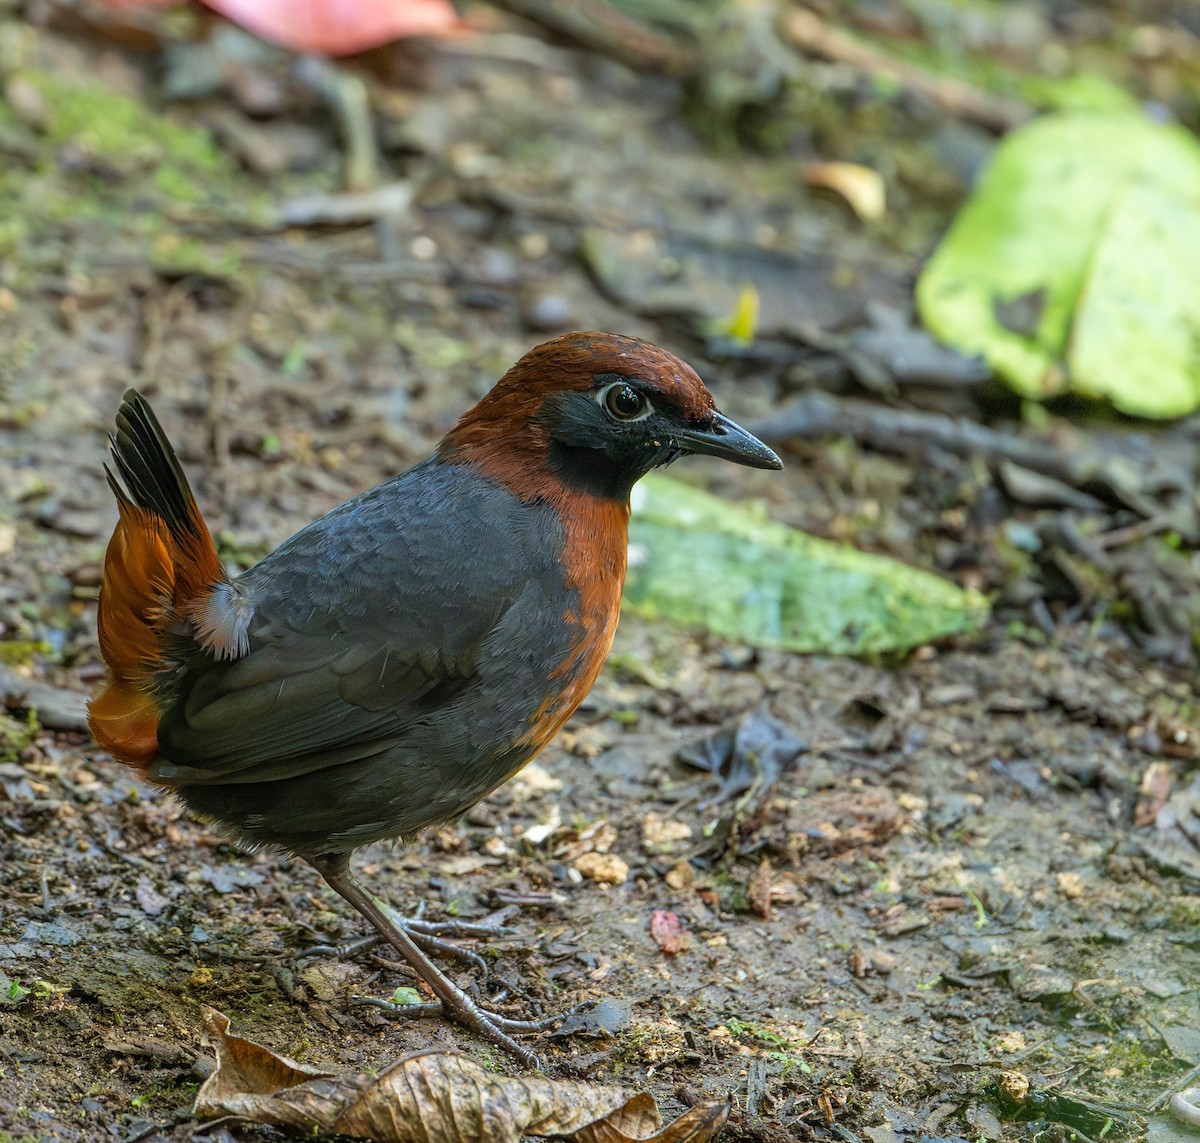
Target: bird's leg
{"x":335,"y":868}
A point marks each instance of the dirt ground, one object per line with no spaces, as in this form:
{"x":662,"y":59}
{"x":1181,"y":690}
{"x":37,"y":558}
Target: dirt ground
{"x":964,"y":907}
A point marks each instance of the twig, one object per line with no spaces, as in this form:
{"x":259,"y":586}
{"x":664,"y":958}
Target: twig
{"x":818,"y":414}
{"x":347,"y":95}
{"x":893,"y":430}
{"x":220,"y":372}
{"x":133,"y":859}
{"x":347,"y":208}
{"x":1131,"y":533}
{"x":806,"y":31}
{"x":56,"y":708}
{"x":599,"y":27}
{"x":1179,"y":1085}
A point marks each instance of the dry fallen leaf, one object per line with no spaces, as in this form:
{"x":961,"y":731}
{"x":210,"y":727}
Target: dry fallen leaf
{"x":759,"y":891}
{"x":662,"y":832}
{"x":433,"y":1097}
{"x":1071,"y":885}
{"x":668,"y":932}
{"x":599,"y":837}
{"x":680,"y":876}
{"x":535,"y":779}
{"x":1153,"y":792}
{"x":536,"y":834}
{"x":860,"y":186}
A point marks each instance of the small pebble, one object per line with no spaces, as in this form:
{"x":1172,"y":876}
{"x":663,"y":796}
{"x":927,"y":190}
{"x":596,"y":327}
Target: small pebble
{"x":549,"y":312}
{"x":605,"y":868}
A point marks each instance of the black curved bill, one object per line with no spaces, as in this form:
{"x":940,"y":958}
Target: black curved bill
{"x":730,"y":441}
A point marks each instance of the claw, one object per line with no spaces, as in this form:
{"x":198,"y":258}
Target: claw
{"x":343,"y":951}
{"x":423,"y":933}
{"x":459,"y":929}
{"x":437,"y":945}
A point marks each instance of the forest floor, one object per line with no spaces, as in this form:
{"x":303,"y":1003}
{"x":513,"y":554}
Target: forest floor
{"x":963,"y":904}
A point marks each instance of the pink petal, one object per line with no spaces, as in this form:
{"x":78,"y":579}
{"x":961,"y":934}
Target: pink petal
{"x":118,"y":4}
{"x":339,"y":27}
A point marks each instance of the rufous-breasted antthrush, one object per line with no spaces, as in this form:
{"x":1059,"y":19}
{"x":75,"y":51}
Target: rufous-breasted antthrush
{"x":399,"y":658}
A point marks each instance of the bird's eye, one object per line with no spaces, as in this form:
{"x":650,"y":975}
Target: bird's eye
{"x":625,"y":402}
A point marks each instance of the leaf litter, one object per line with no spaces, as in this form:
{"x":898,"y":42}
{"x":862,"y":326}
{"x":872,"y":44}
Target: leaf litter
{"x":433,"y":1097}
{"x":868,"y":833}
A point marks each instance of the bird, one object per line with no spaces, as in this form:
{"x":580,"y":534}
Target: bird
{"x":398,"y":659}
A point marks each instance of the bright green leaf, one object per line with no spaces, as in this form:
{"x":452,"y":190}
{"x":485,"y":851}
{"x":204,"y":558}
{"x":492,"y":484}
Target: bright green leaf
{"x":1073,"y":266}
{"x":1082,"y":91}
{"x":698,"y":560}
{"x":406,"y":996}
{"x":11,"y":991}
{"x":740,"y":325}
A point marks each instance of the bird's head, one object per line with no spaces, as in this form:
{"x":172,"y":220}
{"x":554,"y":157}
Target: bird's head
{"x":596,"y":412}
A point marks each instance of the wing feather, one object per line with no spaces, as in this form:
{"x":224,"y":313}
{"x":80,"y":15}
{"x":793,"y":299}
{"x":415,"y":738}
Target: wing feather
{"x":359,"y":628}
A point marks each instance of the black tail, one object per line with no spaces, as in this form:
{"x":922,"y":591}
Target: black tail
{"x":151,"y":471}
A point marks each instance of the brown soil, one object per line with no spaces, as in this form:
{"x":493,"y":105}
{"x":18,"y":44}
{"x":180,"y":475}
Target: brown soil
{"x":951,"y":885}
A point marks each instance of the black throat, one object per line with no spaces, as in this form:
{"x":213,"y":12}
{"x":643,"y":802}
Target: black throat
{"x":593,"y":471}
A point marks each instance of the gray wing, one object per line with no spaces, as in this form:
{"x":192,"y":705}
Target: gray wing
{"x":384,"y":614}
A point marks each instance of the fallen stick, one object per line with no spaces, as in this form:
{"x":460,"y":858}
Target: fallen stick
{"x":807,"y":32}
{"x":55,"y":707}
{"x":597,"y":26}
{"x":887,"y":429}
{"x":1077,"y":460}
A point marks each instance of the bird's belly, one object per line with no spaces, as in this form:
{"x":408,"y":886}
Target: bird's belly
{"x":434,"y":772}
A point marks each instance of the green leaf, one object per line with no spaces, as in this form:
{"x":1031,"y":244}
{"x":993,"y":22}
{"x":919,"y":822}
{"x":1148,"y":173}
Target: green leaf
{"x":1073,"y":266}
{"x":697,"y":560}
{"x":1083,"y":91}
{"x":406,"y":996}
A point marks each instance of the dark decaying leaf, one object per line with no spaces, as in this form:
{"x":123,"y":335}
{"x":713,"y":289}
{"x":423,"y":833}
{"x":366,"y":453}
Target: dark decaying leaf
{"x":604,"y":1019}
{"x":754,"y":753}
{"x":433,"y":1097}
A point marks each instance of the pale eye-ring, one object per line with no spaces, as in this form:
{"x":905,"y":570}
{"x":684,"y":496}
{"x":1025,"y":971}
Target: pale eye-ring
{"x":624,"y":402}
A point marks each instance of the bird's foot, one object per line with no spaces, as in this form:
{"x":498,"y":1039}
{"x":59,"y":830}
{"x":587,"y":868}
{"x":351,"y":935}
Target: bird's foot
{"x":465,"y":929}
{"x":490,"y":1025}
{"x":344,"y":950}
{"x":435,"y":1008}
{"x":427,"y":935}
{"x":411,"y":939}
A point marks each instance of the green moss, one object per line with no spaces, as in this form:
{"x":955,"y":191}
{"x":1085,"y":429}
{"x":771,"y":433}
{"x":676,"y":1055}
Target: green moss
{"x":121,"y":131}
{"x":12,"y":234}
{"x":176,"y":257}
{"x":777,"y":1047}
{"x":1132,"y":1054}
{"x":21,"y":652}
{"x":109,"y":165}
{"x":16,"y":735}
{"x":168,"y":1094}
{"x":1185,"y":912}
